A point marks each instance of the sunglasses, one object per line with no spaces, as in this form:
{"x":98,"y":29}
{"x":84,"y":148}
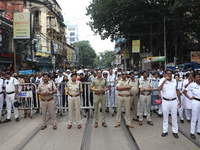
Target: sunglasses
{"x":169,"y":73}
{"x":124,"y":74}
{"x":98,"y":72}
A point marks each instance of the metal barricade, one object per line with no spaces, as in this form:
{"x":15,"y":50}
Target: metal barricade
{"x":27,"y":96}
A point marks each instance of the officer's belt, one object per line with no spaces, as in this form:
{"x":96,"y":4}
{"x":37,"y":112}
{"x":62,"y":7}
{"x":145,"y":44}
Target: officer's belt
{"x":134,"y":95}
{"x":73,"y":95}
{"x":10,"y":92}
{"x":47,"y":100}
{"x":197,"y":99}
{"x":145,"y":94}
{"x":169,"y":99}
{"x":123,"y":95}
{"x":99,"y":94}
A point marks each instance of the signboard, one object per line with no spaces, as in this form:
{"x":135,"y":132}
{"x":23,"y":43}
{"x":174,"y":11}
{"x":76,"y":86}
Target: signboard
{"x":157,"y":58}
{"x":135,"y":46}
{"x":69,"y":55}
{"x":126,"y":53}
{"x":195,"y":56}
{"x":21,"y":26}
{"x":25,"y":94}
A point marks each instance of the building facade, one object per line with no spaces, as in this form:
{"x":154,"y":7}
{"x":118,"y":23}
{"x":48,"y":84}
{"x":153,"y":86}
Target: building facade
{"x":72,"y":34}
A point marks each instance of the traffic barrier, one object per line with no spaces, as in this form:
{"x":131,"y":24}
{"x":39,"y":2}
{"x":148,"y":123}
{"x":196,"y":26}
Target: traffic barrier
{"x":27,"y":98}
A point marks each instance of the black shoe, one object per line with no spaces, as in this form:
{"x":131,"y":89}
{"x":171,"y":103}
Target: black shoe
{"x":144,"y":116}
{"x":192,"y":136}
{"x":160,"y":115}
{"x":1,"y":122}
{"x":155,"y":111}
{"x":37,"y":112}
{"x":175,"y":135}
{"x":198,"y":133}
{"x":17,"y":119}
{"x":164,"y":134}
{"x":135,"y":120}
{"x":7,"y":120}
{"x":188,"y":120}
{"x":170,"y":115}
{"x":182,"y":121}
{"x":100,"y":109}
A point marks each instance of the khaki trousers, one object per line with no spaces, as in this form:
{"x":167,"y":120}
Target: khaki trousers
{"x":97,"y":99}
{"x":145,"y":99}
{"x":51,"y":107}
{"x":127,"y":103}
{"x":74,"y":102}
{"x":134,"y":104}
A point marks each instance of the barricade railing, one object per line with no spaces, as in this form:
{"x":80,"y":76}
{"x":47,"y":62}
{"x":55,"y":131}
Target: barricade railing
{"x":27,"y":97}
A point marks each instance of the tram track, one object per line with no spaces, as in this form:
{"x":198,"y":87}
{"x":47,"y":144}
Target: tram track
{"x":186,"y":135}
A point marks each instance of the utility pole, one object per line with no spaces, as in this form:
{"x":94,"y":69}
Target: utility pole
{"x":165,"y":42}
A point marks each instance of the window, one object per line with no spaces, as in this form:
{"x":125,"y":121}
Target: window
{"x":72,"y":39}
{"x":71,"y":28}
{"x":72,"y":34}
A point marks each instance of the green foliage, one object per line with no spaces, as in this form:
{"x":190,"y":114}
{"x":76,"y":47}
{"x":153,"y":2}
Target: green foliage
{"x":86,"y":54}
{"x":105,"y":59}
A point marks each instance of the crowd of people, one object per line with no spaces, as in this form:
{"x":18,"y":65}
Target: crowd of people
{"x":137,"y":95}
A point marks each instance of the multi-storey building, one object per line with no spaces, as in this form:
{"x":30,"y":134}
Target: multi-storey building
{"x":72,"y":34}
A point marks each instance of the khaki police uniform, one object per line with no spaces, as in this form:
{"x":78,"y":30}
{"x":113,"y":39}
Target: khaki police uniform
{"x":123,"y":97}
{"x":74,"y":90}
{"x":47,"y":101}
{"x":134,"y":96}
{"x":99,"y":84}
{"x":145,"y":97}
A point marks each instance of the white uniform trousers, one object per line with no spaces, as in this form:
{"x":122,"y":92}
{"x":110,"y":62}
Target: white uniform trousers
{"x":168,"y":106}
{"x":180,"y":110}
{"x":10,"y":99}
{"x":1,"y":103}
{"x":160,"y":109}
{"x":195,"y":116}
{"x":188,"y":114}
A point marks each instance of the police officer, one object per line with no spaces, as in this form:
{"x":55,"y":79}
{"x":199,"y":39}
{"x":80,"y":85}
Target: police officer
{"x":134,"y":92}
{"x":11,"y":96}
{"x":74,"y":88}
{"x":123,"y":87}
{"x":46,"y":89}
{"x":195,"y":89}
{"x":1,"y":96}
{"x":170,"y":92}
{"x":105,"y":75}
{"x":146,"y":87}
{"x":99,"y":85}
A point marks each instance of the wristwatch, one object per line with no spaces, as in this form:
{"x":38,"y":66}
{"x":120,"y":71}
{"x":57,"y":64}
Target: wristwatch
{"x":144,"y":89}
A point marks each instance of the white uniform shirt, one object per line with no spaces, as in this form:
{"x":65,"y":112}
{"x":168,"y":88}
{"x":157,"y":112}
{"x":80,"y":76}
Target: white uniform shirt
{"x":1,"y":85}
{"x":10,"y":84}
{"x":195,"y":89}
{"x":110,"y":79}
{"x":39,"y":80}
{"x":169,"y":89}
{"x":69,"y":76}
{"x":59,"y":79}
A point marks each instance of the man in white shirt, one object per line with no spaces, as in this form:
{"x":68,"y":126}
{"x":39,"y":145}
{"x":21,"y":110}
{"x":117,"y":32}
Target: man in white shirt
{"x":68,"y":74}
{"x":11,"y":96}
{"x":1,"y":97}
{"x":170,"y":92}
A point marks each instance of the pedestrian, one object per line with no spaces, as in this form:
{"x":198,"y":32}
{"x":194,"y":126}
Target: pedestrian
{"x":62,"y":88}
{"x":188,"y":102}
{"x":99,"y":85}
{"x":74,"y":90}
{"x":134,"y":92}
{"x":180,"y":87}
{"x":146,"y":88}
{"x":46,"y":89}
{"x":195,"y":98}
{"x":123,"y":87}
{"x":11,"y":96}
{"x":170,"y":93}
{"x":112,"y":90}
{"x":1,"y":96}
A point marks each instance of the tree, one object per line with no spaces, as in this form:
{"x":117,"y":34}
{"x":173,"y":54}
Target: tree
{"x":86,"y":54}
{"x":105,"y":59}
{"x":143,"y":19}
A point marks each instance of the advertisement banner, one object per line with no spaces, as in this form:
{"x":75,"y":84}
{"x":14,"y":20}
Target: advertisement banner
{"x":195,"y":56}
{"x":156,"y":58}
{"x":126,"y":53}
{"x":135,"y":46}
{"x":69,"y":55}
{"x":21,"y":26}
{"x":0,"y":37}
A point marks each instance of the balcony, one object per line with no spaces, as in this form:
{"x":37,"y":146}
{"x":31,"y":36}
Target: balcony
{"x":37,"y":24}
